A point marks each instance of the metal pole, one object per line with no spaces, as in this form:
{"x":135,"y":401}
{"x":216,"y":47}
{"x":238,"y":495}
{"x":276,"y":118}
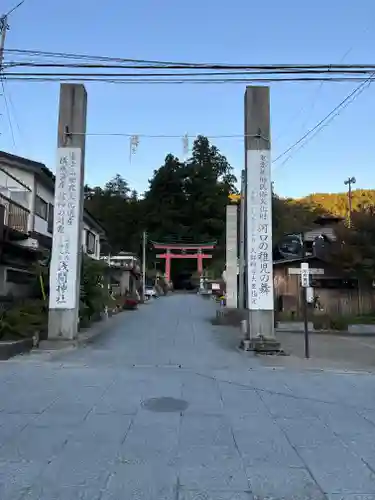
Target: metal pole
{"x":144,"y":264}
{"x":304,"y":305}
{"x":349,"y":182}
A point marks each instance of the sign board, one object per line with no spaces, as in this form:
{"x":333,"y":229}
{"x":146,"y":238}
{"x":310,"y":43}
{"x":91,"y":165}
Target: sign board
{"x":310,"y":294}
{"x":215,"y":286}
{"x":312,"y":270}
{"x":66,"y":229}
{"x":234,"y":197}
{"x":305,"y":275}
{"x":259,"y":231}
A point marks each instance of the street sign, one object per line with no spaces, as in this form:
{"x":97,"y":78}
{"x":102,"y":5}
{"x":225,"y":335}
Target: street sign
{"x":305,"y":276}
{"x":312,"y":270}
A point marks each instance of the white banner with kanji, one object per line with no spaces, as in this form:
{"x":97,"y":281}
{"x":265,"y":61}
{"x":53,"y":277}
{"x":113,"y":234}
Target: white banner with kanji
{"x":259,"y":231}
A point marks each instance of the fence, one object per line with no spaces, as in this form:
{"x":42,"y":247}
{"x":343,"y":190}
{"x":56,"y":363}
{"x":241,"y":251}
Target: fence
{"x":346,"y":302}
{"x":334,"y":301}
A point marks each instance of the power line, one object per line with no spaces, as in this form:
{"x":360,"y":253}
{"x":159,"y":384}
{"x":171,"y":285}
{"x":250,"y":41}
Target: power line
{"x":320,"y":87}
{"x":8,"y":113}
{"x":184,"y":65}
{"x":138,"y":79}
{"x":303,"y":145}
{"x":355,"y":72}
{"x":328,"y":116}
{"x":14,"y":8}
{"x":350,"y":70}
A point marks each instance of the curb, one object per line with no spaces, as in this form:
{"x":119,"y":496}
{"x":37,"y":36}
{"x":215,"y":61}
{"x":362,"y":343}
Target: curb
{"x":11,"y":348}
{"x":337,"y":333}
{"x":84,"y":338}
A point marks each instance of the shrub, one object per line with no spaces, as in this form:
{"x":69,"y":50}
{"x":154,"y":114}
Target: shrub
{"x":338,"y":323}
{"x":24,"y":319}
{"x":321,"y":322}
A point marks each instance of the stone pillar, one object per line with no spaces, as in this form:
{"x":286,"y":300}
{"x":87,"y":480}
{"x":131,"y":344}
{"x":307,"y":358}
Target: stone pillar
{"x":231,"y":256}
{"x":260,"y":296}
{"x":66,"y":258}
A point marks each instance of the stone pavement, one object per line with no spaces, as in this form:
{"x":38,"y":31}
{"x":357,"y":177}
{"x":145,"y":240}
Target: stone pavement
{"x":164,"y":407}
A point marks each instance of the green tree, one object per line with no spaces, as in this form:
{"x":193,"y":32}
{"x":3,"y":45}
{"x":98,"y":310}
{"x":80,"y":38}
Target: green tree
{"x":164,"y":204}
{"x":119,"y":212}
{"x":209,"y":181}
{"x":354,"y":250}
{"x":117,"y":187}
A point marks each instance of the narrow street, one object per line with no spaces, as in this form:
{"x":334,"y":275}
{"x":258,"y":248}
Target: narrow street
{"x":165,"y":407}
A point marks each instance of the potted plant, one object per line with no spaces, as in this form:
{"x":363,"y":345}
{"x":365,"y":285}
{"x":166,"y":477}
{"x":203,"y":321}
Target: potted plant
{"x":130,"y":302}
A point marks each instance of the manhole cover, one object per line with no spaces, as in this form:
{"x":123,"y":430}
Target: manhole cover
{"x":165,"y":405}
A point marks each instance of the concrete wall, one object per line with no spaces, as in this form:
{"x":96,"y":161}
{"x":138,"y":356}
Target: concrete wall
{"x":16,"y":289}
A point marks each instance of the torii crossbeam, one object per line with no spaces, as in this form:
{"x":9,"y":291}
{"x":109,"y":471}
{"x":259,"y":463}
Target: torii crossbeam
{"x":183,"y":251}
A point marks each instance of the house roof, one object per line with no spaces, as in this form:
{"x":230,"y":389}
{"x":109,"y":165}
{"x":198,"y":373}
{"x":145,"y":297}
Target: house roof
{"x":296,"y":260}
{"x":47,"y":177}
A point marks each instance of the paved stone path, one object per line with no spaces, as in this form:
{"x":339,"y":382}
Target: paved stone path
{"x":84,"y":424}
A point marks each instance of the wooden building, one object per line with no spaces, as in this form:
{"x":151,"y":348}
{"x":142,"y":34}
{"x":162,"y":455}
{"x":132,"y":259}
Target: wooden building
{"x":333,"y":291}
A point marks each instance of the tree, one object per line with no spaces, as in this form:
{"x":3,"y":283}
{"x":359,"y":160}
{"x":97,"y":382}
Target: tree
{"x":187,"y":201}
{"x":118,"y":210}
{"x":117,"y":187}
{"x":209,"y":180}
{"x":164,"y":205}
{"x":354,"y":250}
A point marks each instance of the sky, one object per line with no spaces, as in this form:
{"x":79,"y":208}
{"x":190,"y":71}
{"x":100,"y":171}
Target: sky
{"x":239,"y":31}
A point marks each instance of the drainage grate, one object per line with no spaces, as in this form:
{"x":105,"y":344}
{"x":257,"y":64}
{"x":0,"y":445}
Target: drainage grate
{"x":165,"y":405}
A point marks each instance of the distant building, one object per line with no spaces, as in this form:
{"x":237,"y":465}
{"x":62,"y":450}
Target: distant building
{"x":125,"y":272}
{"x":27,"y":191}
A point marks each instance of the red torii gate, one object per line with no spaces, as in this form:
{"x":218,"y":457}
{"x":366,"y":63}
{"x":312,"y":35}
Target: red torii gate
{"x":169,"y":254}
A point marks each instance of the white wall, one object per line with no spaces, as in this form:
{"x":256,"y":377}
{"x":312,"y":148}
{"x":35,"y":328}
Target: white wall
{"x":46,"y":194}
{"x":38,"y":225}
{"x":16,"y":190}
{"x":41,"y":225}
{"x":86,"y":228}
{"x":24,"y":177}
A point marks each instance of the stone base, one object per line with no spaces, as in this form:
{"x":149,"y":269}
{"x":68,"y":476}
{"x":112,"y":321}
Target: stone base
{"x":230,"y":316}
{"x":262,"y":345}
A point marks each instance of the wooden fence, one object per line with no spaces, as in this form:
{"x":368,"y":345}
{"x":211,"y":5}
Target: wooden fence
{"x":334,"y":301}
{"x":346,"y":302}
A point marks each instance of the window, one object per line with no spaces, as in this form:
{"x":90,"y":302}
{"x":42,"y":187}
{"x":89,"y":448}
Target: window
{"x":41,"y":207}
{"x":50,"y":218}
{"x":90,"y":242}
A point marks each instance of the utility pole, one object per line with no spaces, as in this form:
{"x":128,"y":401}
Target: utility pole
{"x":66,"y":257}
{"x":4,"y":27}
{"x":349,"y":181}
{"x":260,"y":331}
{"x":144,"y":264}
